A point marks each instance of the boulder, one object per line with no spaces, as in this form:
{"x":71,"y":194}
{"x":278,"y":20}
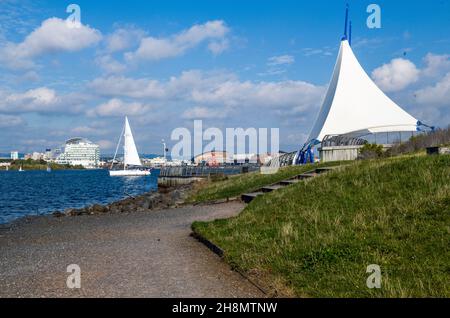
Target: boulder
{"x":58,"y":214}
{"x":97,"y":209}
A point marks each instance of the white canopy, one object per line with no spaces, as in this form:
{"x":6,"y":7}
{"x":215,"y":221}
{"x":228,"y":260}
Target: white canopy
{"x":355,"y":105}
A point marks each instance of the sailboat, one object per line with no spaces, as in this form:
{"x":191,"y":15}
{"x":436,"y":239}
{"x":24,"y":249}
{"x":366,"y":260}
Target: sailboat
{"x":132,"y":165}
{"x":21,"y":169}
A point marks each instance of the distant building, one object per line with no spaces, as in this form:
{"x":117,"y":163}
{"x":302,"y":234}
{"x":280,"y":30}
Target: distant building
{"x":48,"y":155}
{"x":14,"y":155}
{"x":245,"y":158}
{"x":80,"y":151}
{"x":212,"y":158}
{"x":37,"y":156}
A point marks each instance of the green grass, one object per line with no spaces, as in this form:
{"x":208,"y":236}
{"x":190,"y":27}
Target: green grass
{"x":316,"y":239}
{"x":237,"y":185}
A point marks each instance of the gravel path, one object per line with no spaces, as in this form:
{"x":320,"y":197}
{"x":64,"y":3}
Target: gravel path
{"x":120,"y":255}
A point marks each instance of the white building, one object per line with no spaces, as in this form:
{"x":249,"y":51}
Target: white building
{"x":79,"y":151}
{"x":14,"y":155}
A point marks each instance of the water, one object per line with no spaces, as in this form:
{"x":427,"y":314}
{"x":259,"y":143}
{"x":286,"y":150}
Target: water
{"x":40,"y":192}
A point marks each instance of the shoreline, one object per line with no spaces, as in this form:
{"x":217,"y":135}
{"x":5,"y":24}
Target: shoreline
{"x":163,"y":198}
{"x":119,"y":255}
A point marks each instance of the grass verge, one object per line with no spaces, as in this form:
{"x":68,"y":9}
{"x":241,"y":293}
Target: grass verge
{"x":316,"y":238}
{"x":236,"y":185}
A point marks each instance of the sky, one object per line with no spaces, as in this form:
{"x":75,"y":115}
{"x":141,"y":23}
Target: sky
{"x":246,"y":63}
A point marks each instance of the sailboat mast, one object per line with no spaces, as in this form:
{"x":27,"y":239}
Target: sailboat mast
{"x":125,"y":144}
{"x":117,"y":148}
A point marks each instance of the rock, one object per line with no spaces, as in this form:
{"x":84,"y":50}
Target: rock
{"x":114,"y":210}
{"x":58,"y":214}
{"x":166,"y":197}
{"x":97,"y":209}
{"x":69,"y":212}
{"x":147,"y":204}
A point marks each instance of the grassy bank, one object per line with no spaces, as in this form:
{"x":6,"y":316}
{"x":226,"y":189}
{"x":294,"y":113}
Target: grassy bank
{"x":316,"y":239}
{"x":236,"y":185}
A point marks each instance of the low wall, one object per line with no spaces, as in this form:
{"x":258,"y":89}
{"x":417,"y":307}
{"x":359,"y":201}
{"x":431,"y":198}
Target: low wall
{"x":339,"y":153}
{"x":175,"y":181}
{"x":342,"y":153}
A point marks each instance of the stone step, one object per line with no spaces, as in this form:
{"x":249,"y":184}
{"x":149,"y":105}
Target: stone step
{"x":323,"y":170}
{"x":249,"y":197}
{"x":289,"y":182}
{"x":307,"y":175}
{"x":272,"y":188}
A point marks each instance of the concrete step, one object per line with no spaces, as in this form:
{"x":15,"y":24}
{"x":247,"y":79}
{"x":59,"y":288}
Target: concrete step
{"x":272,"y":188}
{"x":249,"y":197}
{"x":323,"y":170}
{"x":307,"y":175}
{"x":289,"y":182}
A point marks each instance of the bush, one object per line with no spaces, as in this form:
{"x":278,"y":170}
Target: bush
{"x":218,"y":177}
{"x":439,"y":137}
{"x":371,"y":151}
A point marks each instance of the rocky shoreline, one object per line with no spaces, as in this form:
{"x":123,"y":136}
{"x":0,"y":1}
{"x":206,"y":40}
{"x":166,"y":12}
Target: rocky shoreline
{"x":165,"y":197}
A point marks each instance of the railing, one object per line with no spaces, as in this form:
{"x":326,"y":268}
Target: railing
{"x":202,"y":172}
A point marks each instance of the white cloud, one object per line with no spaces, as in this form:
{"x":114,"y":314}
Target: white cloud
{"x":7,"y":121}
{"x":396,"y":75}
{"x":325,"y":51}
{"x":281,"y":60}
{"x":204,"y":113}
{"x":83,"y":130}
{"x":153,"y":49}
{"x":41,"y":100}
{"x":218,"y":47}
{"x":214,"y":89}
{"x":53,"y":35}
{"x":117,"y":108}
{"x":108,"y":64}
{"x":127,"y":87}
{"x":123,"y":39}
{"x":436,"y":64}
{"x":284,"y":94}
{"x":438,"y":94}
{"x":106,"y":144}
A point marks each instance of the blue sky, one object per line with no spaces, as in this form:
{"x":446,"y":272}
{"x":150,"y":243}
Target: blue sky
{"x":230,"y":63}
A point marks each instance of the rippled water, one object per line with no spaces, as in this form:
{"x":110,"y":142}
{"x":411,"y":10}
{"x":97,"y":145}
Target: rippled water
{"x":41,"y":192}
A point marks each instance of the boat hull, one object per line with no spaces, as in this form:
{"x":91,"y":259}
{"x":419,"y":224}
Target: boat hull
{"x":129,"y":173}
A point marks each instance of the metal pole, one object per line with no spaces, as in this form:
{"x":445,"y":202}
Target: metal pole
{"x":164,"y":149}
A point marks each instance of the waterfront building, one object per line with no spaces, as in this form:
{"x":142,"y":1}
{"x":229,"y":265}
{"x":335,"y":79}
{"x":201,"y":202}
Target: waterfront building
{"x":164,"y":162}
{"x":37,"y":156}
{"x":212,"y":158}
{"x":80,"y":151}
{"x":14,"y":155}
{"x":245,"y":158}
{"x":34,"y":156}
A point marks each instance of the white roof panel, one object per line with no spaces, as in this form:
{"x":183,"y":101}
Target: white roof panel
{"x":355,"y":103}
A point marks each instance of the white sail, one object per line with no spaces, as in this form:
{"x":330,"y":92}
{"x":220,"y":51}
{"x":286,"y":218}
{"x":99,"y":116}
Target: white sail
{"x":131,"y":156}
{"x":354,"y":103}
